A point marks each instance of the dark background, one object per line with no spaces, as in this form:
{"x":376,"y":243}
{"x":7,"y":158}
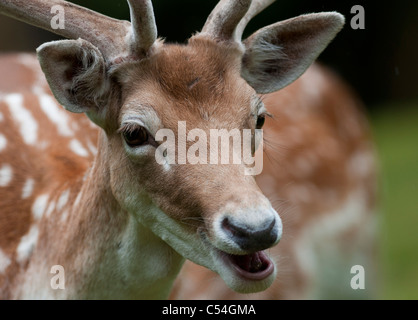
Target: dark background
{"x":379,"y":62}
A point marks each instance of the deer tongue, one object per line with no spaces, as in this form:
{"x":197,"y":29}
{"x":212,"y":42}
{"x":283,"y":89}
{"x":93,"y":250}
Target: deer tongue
{"x":254,"y":266}
{"x":250,"y":262}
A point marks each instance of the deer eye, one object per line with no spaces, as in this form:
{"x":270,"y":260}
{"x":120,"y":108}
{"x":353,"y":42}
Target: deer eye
{"x":260,"y":121}
{"x":135,"y":136}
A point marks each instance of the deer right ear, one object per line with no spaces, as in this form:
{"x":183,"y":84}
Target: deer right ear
{"x":278,"y":54}
{"x":76,"y":73}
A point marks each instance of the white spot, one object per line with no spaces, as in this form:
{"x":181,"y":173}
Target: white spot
{"x":38,"y":90}
{"x":50,"y":209}
{"x":63,"y":199}
{"x":27,"y":124}
{"x":27,"y":244}
{"x":28,"y":188}
{"x":4,"y":261}
{"x":39,"y":206}
{"x":78,"y":199}
{"x":3,"y":142}
{"x":86,"y":175}
{"x":64,"y":215}
{"x":313,"y":93}
{"x":6,"y":174}
{"x":56,"y":114}
{"x":75,"y":126}
{"x":92,"y":147}
{"x":92,"y":125}
{"x":27,"y":60}
{"x":322,"y":255}
{"x":78,"y":148}
{"x":361,"y":164}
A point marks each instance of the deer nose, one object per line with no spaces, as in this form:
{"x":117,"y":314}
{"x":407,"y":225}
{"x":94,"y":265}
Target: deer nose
{"x":253,"y":238}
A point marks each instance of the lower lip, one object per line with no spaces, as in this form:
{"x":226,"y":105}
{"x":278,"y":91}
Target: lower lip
{"x":243,"y":274}
{"x":253,"y":276}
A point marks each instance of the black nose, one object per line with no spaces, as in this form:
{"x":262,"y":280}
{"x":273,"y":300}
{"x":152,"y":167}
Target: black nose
{"x":249,"y":238}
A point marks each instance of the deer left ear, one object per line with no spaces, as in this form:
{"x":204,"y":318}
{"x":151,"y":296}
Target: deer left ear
{"x":76,"y":73}
{"x":278,"y":54}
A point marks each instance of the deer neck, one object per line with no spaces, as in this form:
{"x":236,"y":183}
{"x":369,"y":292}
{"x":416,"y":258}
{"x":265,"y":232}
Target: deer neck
{"x":105,"y":251}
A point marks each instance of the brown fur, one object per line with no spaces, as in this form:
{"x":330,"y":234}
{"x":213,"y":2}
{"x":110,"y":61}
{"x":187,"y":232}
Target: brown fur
{"x":178,"y":86}
{"x":326,"y":129}
{"x":52,"y":168}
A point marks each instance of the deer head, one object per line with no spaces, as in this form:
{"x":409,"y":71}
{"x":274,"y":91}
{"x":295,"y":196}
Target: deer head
{"x":132,"y":85}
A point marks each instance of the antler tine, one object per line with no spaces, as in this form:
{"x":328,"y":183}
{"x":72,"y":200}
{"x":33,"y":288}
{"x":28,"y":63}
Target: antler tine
{"x":144,"y":28}
{"x":105,"y":33}
{"x":224,"y":19}
{"x":114,"y":38}
{"x":256,"y":7}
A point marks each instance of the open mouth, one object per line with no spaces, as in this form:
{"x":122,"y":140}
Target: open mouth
{"x":253,"y":266}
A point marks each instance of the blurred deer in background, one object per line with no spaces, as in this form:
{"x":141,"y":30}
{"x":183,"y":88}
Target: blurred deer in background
{"x":87,"y":194}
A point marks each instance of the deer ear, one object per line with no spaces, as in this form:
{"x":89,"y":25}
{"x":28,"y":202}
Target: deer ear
{"x":278,"y":54}
{"x":76,"y":73}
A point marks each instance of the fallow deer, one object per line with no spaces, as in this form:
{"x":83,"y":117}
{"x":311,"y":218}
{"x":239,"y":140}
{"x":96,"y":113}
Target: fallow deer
{"x":87,"y":193}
